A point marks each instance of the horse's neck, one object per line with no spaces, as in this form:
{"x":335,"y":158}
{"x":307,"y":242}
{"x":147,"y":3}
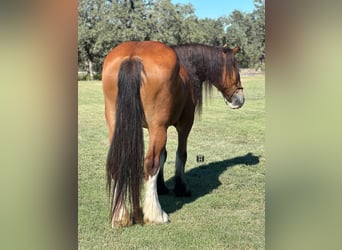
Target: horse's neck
{"x":202,"y":69}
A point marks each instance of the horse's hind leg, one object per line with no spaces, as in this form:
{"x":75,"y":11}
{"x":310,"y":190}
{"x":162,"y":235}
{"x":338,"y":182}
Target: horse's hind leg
{"x":153,"y":213}
{"x":161,"y":187}
{"x":121,"y":216}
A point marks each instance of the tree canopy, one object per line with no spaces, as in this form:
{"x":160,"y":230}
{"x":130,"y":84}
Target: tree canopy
{"x":103,"y":24}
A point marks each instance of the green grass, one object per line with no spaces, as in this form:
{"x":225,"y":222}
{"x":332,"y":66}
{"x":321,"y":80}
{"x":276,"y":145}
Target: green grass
{"x":227,"y":206}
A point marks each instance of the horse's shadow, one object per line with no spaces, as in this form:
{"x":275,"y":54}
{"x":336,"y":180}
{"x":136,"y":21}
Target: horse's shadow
{"x":203,"y":180}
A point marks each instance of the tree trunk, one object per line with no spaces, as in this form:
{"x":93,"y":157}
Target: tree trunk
{"x":91,"y":73}
{"x":90,"y":69}
{"x":261,"y":58}
{"x":259,"y":67}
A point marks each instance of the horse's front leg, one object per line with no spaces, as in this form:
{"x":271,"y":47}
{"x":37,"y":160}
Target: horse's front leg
{"x":181,"y":157}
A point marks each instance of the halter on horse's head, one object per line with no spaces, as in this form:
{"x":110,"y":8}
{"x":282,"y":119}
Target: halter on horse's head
{"x":231,"y":87}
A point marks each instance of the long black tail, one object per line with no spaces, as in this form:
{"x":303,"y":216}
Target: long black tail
{"x":126,"y":154}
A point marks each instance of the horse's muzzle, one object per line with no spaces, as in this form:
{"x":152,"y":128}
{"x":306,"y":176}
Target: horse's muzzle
{"x":237,"y":100}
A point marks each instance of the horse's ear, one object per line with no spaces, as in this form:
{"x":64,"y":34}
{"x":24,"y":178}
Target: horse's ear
{"x":225,"y":48}
{"x":236,"y":50}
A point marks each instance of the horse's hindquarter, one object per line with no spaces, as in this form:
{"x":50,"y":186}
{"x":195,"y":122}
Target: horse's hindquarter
{"x":162,"y":91}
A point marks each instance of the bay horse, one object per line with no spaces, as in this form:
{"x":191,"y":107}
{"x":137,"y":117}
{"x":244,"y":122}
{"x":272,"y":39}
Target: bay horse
{"x":149,"y":84}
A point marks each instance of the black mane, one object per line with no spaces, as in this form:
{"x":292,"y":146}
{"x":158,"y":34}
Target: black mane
{"x":204,"y":64}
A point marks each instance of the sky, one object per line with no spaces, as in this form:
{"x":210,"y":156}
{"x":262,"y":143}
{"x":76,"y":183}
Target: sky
{"x":217,"y":8}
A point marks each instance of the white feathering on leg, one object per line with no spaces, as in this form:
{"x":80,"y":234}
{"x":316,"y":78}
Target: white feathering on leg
{"x":153,"y":213}
{"x":121,"y":217}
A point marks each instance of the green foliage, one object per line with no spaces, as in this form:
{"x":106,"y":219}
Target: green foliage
{"x":262,"y":68}
{"x":227,"y":206}
{"x":98,"y":76}
{"x":103,"y":24}
{"x":248,"y":31}
{"x":82,"y":76}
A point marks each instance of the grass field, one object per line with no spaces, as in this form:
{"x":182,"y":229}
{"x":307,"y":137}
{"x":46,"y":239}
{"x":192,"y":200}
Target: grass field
{"x":227,"y":206}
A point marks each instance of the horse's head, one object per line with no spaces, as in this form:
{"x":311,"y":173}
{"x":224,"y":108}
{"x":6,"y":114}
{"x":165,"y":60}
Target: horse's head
{"x":231,"y":88}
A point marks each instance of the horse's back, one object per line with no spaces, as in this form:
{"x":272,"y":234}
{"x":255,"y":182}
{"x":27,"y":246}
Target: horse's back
{"x":154,"y":56}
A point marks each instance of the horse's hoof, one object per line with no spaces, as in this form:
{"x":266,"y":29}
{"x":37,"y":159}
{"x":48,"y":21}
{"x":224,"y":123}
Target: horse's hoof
{"x":160,"y":219}
{"x":121,"y":223}
{"x":121,"y":218}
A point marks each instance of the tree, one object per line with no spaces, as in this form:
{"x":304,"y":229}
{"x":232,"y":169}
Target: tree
{"x":248,"y":31}
{"x":237,"y":30}
{"x":172,"y":24}
{"x":89,"y":18}
{"x":212,"y":31}
{"x":103,"y":24}
{"x":259,"y":28}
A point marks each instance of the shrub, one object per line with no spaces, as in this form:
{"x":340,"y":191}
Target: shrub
{"x":84,"y":76}
{"x":263,"y":66}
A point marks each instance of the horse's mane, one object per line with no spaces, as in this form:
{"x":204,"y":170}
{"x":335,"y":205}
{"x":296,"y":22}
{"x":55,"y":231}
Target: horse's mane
{"x":204,"y":64}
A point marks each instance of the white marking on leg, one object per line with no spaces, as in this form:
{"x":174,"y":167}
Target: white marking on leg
{"x":153,"y":213}
{"x":121,"y":216}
